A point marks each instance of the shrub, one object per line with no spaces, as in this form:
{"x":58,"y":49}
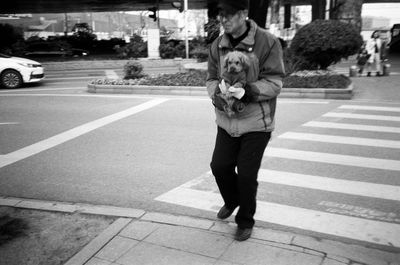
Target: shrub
{"x":9,"y":36}
{"x":316,"y":81}
{"x":295,"y":63}
{"x":135,"y":49}
{"x":324,"y":42}
{"x":200,"y":53}
{"x":190,"y":78}
{"x":107,"y":46}
{"x":170,"y":49}
{"x":133,"y":70}
{"x":213,"y":29}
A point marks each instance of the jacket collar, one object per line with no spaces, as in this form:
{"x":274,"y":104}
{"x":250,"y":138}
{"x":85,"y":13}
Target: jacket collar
{"x":246,"y":44}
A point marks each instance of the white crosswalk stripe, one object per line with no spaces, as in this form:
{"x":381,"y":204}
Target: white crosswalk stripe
{"x":345,"y":160}
{"x":337,"y":218}
{"x":346,"y":126}
{"x":340,"y":139}
{"x":388,"y":192}
{"x":375,"y":108}
{"x":361,"y":116}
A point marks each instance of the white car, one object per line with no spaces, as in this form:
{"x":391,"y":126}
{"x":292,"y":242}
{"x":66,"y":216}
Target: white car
{"x":15,"y":71}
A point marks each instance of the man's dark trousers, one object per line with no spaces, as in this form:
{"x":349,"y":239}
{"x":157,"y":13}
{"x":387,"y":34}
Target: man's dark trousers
{"x":239,"y":189}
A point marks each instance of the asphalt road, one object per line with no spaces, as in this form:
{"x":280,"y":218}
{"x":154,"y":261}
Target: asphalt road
{"x":331,"y":168}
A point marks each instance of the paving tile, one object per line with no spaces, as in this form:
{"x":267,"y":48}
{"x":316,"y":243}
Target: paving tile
{"x":149,"y":254}
{"x":281,"y":245}
{"x":223,"y":262}
{"x":332,"y":262}
{"x":338,"y":258}
{"x":224,"y":227}
{"x":353,"y":252}
{"x":96,"y":261}
{"x":97,"y":244}
{"x":116,"y":248}
{"x":249,"y":252}
{"x":45,"y":205}
{"x":110,"y":210}
{"x":9,"y":201}
{"x":178,"y":220}
{"x":271,"y":235}
{"x":191,"y":240}
{"x":139,"y":230}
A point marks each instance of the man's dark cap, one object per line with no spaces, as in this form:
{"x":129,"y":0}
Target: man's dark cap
{"x":232,"y":6}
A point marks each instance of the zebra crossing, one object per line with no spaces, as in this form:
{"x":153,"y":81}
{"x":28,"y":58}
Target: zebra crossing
{"x":337,"y":175}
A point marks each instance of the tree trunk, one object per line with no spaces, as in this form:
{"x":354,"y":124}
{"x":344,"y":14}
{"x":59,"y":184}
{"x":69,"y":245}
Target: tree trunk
{"x":318,"y":9}
{"x":348,"y":11}
{"x":258,"y":10}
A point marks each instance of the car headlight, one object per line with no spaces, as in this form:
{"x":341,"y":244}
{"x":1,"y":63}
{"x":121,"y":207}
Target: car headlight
{"x":29,"y":65}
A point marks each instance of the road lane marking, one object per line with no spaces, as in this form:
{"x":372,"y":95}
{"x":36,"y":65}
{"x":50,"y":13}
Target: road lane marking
{"x":373,"y":108}
{"x":77,"y":78}
{"x":40,"y":89}
{"x":358,"y":188}
{"x":361,"y":116}
{"x":291,"y":101}
{"x":340,"y":139}
{"x":346,"y":160}
{"x":346,"y":126}
{"x":111,"y":74}
{"x":74,"y":133}
{"x":382,"y":233}
{"x":8,"y":123}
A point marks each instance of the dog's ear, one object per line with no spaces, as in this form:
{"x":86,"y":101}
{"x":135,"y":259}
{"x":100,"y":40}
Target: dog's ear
{"x":245,"y":61}
{"x":226,"y":59}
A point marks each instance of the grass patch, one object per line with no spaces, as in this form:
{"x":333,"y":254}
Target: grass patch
{"x":32,"y":237}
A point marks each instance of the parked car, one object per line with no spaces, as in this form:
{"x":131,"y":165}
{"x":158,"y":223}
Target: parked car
{"x":42,"y":49}
{"x":15,"y":71}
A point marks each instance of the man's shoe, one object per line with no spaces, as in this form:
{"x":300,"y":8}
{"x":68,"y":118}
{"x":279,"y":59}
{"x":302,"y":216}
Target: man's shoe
{"x":224,"y":212}
{"x":243,"y":234}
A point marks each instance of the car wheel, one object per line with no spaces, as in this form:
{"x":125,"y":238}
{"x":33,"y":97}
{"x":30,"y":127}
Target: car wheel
{"x":11,"y":79}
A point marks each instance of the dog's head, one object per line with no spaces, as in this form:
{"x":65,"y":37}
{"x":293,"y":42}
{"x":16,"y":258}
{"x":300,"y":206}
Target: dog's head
{"x":236,"y":62}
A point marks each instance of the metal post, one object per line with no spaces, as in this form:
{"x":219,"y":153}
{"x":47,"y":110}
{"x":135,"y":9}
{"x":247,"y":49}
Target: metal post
{"x":186,"y":29}
{"x":328,"y":10}
{"x":158,"y":13}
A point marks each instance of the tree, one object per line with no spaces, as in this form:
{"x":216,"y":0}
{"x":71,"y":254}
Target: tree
{"x":9,"y":35}
{"x":324,"y":42}
{"x":348,"y":11}
{"x":258,"y":10}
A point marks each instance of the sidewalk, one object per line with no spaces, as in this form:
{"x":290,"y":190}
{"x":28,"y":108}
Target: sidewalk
{"x":140,"y":237}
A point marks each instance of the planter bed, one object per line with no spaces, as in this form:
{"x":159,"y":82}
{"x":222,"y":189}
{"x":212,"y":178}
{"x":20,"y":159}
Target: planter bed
{"x":318,"y":93}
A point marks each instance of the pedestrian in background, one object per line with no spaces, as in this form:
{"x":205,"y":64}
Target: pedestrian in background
{"x":242,"y":138}
{"x":362,"y":59}
{"x":374,"y":49}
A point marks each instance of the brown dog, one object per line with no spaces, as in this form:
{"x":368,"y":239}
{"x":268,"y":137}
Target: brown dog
{"x":236,"y":65}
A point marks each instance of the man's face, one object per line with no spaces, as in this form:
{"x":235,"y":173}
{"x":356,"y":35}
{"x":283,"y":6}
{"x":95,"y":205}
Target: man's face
{"x":232,"y":23}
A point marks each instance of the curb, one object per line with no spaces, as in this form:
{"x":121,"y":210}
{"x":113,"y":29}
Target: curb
{"x":315,"y":93}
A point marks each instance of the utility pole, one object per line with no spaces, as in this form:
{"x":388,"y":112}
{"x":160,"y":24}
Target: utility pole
{"x":65,"y":24}
{"x":186,"y":29}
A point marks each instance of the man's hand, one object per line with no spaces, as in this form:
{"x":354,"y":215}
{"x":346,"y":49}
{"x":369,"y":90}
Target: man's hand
{"x":237,"y":92}
{"x":222,"y":87}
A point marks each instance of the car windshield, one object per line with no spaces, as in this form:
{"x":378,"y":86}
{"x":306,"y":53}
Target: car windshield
{"x":4,"y":56}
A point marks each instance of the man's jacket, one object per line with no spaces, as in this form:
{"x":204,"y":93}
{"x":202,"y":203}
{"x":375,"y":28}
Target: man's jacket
{"x":264,"y":80}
